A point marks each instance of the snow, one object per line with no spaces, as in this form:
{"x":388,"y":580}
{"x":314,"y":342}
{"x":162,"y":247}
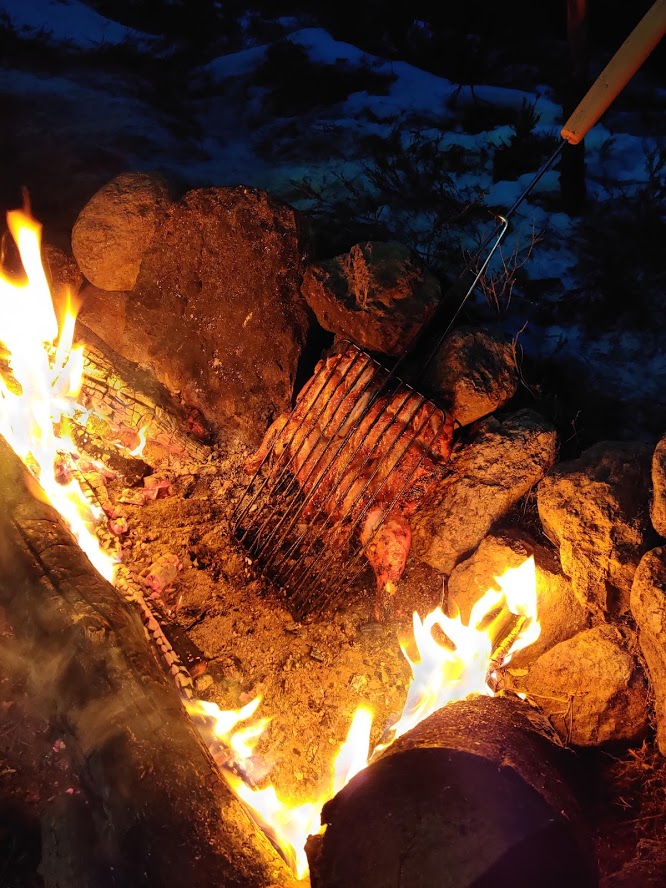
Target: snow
{"x":236,"y":64}
{"x":70,"y":22}
{"x":230,"y":123}
{"x":322,"y":48}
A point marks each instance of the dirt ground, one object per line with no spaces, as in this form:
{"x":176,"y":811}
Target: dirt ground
{"x":311,"y":677}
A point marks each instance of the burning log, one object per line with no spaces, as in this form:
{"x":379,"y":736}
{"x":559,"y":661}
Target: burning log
{"x":127,"y":406}
{"x":125,"y":399}
{"x":161,"y":813}
{"x":474,"y":795}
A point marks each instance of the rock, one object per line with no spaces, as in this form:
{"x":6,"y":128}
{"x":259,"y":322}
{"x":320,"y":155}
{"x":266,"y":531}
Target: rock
{"x":595,"y":509}
{"x":592,"y":688}
{"x":62,"y":272}
{"x":560,"y":615}
{"x":216,"y":312}
{"x":658,"y":504}
{"x":115,"y":228}
{"x":489,"y":475}
{"x":203,"y":683}
{"x":379,"y":294}
{"x":648,"y":608}
{"x":475,"y":371}
{"x":105,"y":313}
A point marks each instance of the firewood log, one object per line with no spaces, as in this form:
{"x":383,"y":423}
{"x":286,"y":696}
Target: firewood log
{"x":473,"y":796}
{"x":124,"y":396}
{"x":161,"y":813}
{"x":123,"y":399}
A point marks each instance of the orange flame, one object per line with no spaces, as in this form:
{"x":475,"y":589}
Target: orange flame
{"x":44,"y":384}
{"x":441,"y":674}
{"x":290,"y":824}
{"x":138,"y":450}
{"x":217,"y":724}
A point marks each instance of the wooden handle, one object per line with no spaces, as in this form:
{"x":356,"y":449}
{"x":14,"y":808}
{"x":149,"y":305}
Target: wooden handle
{"x":617,"y":73}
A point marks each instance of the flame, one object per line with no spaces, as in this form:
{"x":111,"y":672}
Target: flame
{"x":520,"y":591}
{"x":44,"y":383}
{"x":138,"y":450}
{"x":219,"y":725}
{"x":289,"y":824}
{"x":441,"y":674}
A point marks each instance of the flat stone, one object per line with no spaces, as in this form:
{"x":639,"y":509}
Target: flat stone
{"x":378,"y":294}
{"x":116,"y":227}
{"x":658,"y":503}
{"x":475,"y":372}
{"x":489,"y":475}
{"x":216,"y":313}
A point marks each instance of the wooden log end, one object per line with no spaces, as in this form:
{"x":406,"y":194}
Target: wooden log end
{"x":471,"y":797}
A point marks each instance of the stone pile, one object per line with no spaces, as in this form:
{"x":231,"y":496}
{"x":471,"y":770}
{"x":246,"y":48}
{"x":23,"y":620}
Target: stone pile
{"x":217,"y":295}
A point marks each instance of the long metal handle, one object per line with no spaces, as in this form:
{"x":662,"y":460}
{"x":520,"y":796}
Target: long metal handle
{"x":617,"y":73}
{"x":615,"y":76}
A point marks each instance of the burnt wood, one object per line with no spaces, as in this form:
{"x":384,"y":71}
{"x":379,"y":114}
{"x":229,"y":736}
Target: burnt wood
{"x":123,"y":395}
{"x":161,"y":814}
{"x":473,"y":796}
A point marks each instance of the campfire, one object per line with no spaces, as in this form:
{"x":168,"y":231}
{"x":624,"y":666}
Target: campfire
{"x":108,"y":442}
{"x":46,"y":375}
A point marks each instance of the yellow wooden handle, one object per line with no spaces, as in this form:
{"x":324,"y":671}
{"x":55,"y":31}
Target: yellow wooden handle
{"x":617,"y":73}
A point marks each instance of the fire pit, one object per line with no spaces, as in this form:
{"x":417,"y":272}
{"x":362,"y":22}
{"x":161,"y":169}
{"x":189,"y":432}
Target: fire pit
{"x":290,"y":713}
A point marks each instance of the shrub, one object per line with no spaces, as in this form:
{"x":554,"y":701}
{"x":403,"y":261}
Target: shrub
{"x":526,"y":150}
{"x":621,"y":259}
{"x":297,"y":85}
{"x":407,"y":192}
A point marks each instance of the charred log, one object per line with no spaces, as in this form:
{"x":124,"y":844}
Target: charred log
{"x":70,"y":845}
{"x":125,"y":398}
{"x":473,"y":796}
{"x":161,"y":814}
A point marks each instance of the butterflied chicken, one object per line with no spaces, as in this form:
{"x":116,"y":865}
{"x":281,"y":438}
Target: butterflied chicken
{"x":364,"y":455}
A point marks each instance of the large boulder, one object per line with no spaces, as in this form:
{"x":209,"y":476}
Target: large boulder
{"x":116,"y":227}
{"x":216,"y":312}
{"x":658,"y":504}
{"x":648,"y":607}
{"x":591,"y":687}
{"x":475,"y":372}
{"x":595,"y":509}
{"x":488,"y":476}
{"x":378,"y":294}
{"x":560,"y":615}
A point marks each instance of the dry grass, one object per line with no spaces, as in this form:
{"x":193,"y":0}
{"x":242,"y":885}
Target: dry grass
{"x":631,"y":818}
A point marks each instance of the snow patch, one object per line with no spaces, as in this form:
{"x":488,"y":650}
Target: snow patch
{"x":70,"y":22}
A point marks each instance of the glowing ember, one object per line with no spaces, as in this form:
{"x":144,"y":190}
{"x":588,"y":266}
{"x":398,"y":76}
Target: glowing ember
{"x":41,"y":392}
